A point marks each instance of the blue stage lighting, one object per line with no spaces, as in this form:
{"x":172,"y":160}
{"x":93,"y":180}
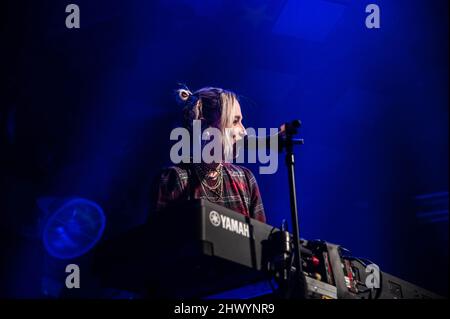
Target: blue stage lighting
{"x":73,"y":229}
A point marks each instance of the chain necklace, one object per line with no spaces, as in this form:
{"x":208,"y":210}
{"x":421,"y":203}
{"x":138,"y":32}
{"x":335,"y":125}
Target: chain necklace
{"x":203,"y":175}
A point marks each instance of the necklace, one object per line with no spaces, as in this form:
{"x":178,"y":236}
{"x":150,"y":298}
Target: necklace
{"x":203,"y":174}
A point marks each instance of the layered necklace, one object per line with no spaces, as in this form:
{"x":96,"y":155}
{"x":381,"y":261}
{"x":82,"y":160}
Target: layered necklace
{"x":211,"y":180}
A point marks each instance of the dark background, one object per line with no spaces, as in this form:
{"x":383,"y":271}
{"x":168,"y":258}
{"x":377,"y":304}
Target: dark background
{"x":87,"y":112}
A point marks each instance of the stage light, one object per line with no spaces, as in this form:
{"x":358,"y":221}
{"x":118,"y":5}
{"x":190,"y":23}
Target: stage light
{"x":73,"y":228}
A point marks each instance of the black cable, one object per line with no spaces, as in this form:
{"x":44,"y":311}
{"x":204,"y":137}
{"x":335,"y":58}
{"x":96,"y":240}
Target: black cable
{"x":377,"y":290}
{"x":364,"y":262}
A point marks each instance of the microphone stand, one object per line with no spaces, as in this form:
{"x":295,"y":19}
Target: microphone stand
{"x":299,"y":288}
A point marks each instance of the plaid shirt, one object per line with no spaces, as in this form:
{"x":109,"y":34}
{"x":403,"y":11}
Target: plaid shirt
{"x":240,"y":189}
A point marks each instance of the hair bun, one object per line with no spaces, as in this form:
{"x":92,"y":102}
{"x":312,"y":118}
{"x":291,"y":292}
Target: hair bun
{"x":182,"y":96}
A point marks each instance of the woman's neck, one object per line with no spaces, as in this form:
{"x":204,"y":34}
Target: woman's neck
{"x":209,"y":169}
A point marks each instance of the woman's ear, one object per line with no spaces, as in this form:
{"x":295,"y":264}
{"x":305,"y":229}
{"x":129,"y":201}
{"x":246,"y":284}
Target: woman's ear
{"x":197,"y":111}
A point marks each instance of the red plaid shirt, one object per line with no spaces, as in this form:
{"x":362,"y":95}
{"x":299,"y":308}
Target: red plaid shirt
{"x":240,"y":189}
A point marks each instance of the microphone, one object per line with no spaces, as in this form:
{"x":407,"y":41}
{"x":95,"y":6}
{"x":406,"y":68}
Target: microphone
{"x":275,"y":141}
{"x":291,"y":127}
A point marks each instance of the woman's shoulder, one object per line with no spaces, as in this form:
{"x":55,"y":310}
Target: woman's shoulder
{"x":178,"y":169}
{"x":179,"y":172}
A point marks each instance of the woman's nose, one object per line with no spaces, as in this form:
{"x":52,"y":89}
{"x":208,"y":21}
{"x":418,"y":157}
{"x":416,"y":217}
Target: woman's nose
{"x":243,"y":131}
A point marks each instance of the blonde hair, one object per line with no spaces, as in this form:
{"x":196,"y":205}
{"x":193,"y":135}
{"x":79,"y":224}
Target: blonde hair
{"x":214,"y":107}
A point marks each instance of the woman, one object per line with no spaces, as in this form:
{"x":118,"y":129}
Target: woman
{"x":223,"y":183}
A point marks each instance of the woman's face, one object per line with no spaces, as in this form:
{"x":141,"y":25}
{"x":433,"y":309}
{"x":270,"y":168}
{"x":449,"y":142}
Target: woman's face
{"x":237,"y":128}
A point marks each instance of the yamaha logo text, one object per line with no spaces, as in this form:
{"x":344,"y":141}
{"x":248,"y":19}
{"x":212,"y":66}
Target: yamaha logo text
{"x":229,"y":224}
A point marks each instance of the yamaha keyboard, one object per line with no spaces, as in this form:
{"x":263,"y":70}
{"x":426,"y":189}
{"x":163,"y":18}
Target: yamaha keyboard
{"x":198,"y":249}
